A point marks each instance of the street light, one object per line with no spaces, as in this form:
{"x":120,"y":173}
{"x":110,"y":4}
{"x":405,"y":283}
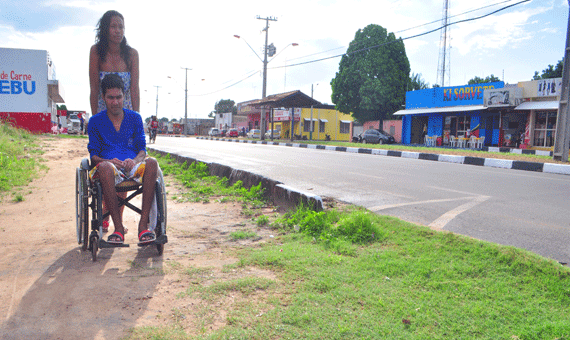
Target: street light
{"x":265,"y":62}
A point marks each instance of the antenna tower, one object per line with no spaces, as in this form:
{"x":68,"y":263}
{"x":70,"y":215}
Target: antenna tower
{"x":444,"y":49}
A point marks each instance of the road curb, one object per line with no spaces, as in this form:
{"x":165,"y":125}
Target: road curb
{"x":561,"y":169}
{"x":280,"y":194}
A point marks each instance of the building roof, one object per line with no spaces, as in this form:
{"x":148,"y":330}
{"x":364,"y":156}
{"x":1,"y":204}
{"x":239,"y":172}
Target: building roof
{"x":287,"y":99}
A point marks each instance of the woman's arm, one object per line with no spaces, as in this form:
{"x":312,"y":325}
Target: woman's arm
{"x":135,"y":90}
{"x":94,"y":79}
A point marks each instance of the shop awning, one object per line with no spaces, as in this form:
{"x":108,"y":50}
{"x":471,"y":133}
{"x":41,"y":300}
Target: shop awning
{"x":546,"y":105}
{"x":346,"y":121}
{"x":440,"y":110}
{"x":324,"y":120}
{"x":309,"y":119}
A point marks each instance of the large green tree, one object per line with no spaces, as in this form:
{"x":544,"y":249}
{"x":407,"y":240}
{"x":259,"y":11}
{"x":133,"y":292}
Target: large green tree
{"x":373,"y":75}
{"x":225,"y":105}
{"x":478,"y":80}
{"x":551,"y":71}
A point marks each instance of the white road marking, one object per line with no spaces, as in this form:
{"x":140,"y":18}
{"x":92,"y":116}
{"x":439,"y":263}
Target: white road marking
{"x":444,"y":219}
{"x":388,"y":206}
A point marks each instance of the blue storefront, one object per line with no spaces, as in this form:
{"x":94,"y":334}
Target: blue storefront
{"x":457,"y":111}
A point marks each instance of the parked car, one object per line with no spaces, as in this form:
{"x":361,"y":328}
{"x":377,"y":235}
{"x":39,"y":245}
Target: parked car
{"x":276,"y":134}
{"x":373,"y":136}
{"x":254,"y":133}
{"x":233,"y":133}
{"x":214,"y":132}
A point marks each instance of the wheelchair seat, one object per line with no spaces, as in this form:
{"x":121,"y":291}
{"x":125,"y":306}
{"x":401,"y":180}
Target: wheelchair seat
{"x":89,"y":195}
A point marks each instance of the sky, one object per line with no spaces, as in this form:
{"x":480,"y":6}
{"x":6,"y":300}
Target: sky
{"x":172,"y":35}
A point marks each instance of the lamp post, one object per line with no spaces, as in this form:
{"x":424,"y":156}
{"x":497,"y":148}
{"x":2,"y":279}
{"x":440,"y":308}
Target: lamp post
{"x":186,"y":102}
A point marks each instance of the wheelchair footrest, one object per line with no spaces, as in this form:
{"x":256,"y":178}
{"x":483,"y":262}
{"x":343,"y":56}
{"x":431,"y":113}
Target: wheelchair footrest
{"x":105,"y":244}
{"x":162,"y":239}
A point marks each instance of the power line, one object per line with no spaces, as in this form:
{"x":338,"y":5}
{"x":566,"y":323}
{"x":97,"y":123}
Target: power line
{"x":410,"y":37}
{"x":376,"y":46}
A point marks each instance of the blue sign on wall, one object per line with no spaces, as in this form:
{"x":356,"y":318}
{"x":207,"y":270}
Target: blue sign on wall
{"x":449,"y":96}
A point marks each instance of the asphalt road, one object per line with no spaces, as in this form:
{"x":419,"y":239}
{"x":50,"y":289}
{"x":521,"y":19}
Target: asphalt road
{"x":512,"y":207}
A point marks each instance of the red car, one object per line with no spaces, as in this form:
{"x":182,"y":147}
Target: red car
{"x":233,"y":133}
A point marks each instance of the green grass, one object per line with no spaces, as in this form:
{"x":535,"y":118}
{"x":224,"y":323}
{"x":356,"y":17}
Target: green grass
{"x":242,"y":235}
{"x":18,"y":163}
{"x":388,"y":279}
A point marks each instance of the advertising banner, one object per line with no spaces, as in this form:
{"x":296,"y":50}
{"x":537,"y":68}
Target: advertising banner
{"x":449,"y":96}
{"x":549,"y":87}
{"x":23,"y":80}
{"x":285,"y":115}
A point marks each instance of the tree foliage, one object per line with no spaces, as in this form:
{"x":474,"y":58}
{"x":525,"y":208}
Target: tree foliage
{"x":225,"y":105}
{"x":551,"y":71}
{"x":417,"y":82}
{"x":373,"y":75}
{"x":488,"y":79}
{"x":163,"y":120}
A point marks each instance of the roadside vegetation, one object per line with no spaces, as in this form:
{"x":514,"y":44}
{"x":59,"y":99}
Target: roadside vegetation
{"x":18,"y":162}
{"x":346,"y":273}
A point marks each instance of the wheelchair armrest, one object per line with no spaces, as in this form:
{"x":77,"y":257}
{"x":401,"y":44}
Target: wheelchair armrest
{"x":85,"y":164}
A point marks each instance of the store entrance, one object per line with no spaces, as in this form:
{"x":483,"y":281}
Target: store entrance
{"x":419,"y":125}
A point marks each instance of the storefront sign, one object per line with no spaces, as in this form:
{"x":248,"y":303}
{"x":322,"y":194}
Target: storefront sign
{"x":549,"y":87}
{"x":449,"y":96}
{"x":511,"y":96}
{"x":23,"y":80}
{"x":285,"y":115}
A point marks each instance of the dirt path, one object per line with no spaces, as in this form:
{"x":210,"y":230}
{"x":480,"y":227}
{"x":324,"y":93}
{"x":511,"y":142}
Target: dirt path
{"x":50,"y":289}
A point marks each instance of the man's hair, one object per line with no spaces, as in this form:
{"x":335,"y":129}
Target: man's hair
{"x":112,"y":81}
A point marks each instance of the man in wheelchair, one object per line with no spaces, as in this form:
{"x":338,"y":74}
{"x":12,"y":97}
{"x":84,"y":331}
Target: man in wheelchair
{"x":117,"y":148}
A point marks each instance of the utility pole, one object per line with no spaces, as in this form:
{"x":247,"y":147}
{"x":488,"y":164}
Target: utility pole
{"x":563,"y":124}
{"x":186,"y":103}
{"x":311,"y":126}
{"x":157,"y":100}
{"x":264,"y":90}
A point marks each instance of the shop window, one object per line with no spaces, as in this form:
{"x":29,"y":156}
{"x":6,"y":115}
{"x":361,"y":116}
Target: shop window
{"x":307,"y":126}
{"x":321,"y":126}
{"x":344,"y":127}
{"x":544,"y":128}
{"x":463,"y":124}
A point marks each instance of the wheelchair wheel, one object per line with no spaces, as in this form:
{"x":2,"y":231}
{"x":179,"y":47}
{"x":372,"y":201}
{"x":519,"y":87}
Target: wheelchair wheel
{"x":160,"y":191}
{"x":81,"y":208}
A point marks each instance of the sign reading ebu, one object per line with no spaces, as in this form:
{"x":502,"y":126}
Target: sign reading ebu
{"x":449,"y":96}
{"x":14,"y":83}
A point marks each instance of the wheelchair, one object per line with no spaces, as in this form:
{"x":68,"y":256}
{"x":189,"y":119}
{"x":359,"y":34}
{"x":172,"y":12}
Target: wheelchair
{"x":90,"y":196}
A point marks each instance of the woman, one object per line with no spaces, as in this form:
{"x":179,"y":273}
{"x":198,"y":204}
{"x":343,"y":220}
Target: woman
{"x":112,"y":54}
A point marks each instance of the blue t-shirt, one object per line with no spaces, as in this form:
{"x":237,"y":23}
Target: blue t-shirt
{"x":107,"y":143}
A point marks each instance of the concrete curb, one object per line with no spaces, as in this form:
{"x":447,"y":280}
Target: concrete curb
{"x":280,"y":194}
{"x":553,"y":168}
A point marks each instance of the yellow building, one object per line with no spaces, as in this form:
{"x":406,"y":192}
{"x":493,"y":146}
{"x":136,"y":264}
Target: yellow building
{"x":326,"y":121}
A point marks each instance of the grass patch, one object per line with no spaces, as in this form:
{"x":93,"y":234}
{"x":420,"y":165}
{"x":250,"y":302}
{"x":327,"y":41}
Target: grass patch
{"x":18,"y":166}
{"x":242,"y":235}
{"x":201,"y":187}
{"x":355,"y":275}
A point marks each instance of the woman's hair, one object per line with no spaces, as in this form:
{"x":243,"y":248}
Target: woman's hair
{"x":102,"y":38}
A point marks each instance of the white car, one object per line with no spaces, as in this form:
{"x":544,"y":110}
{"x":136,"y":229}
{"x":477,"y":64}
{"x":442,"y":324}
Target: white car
{"x":214,"y":132}
{"x":276,"y":134}
{"x":254,"y":133}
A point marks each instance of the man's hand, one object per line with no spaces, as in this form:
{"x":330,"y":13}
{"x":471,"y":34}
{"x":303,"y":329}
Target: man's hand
{"x":128,"y":164}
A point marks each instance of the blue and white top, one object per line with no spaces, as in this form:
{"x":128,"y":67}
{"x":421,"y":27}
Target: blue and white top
{"x":126,"y":77}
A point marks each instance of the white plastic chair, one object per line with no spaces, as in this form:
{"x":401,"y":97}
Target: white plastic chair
{"x":480,"y":142}
{"x":472,"y":142}
{"x":453,"y":141}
